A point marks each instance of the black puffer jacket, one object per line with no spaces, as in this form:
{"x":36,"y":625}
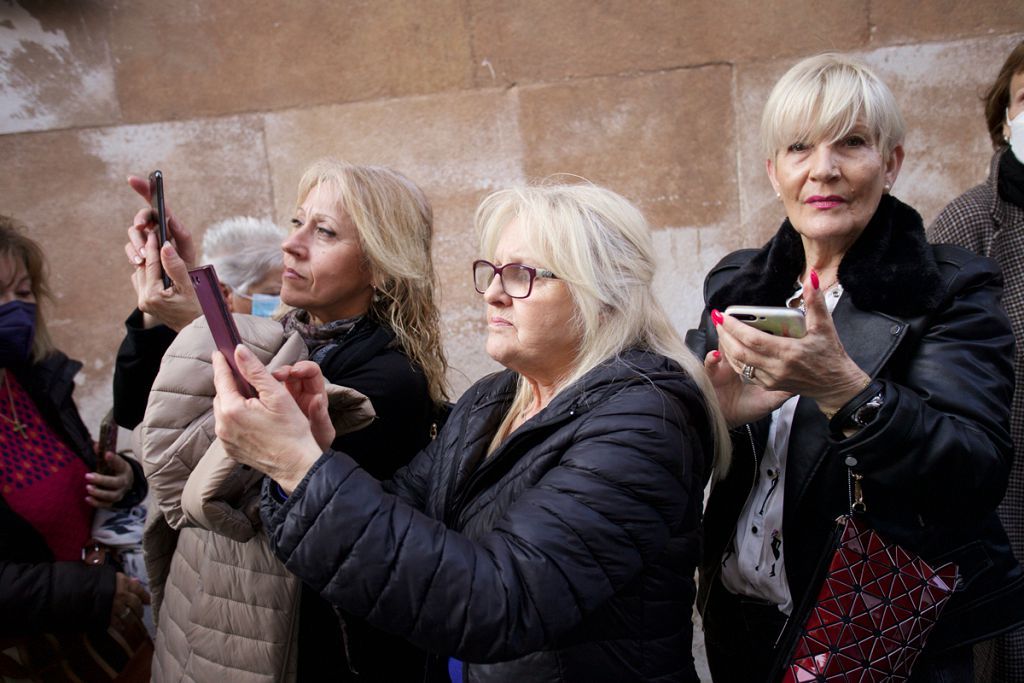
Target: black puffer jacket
{"x":568,"y":554}
{"x":368,"y":360}
{"x":36,"y":593}
{"x":926,"y":324}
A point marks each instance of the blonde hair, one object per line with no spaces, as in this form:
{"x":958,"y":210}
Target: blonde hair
{"x":822,"y":98}
{"x":17,"y":246}
{"x":395,"y":222}
{"x":600,"y":245}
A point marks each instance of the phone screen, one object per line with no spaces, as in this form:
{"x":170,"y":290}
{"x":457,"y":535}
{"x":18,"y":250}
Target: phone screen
{"x":219,"y":320}
{"x":107,"y":442}
{"x":156,"y":200}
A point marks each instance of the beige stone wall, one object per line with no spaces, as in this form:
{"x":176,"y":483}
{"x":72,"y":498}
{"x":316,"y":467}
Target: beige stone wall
{"x":658,"y":100}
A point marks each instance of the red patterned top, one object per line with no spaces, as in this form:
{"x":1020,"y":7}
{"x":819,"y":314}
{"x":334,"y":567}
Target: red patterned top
{"x":41,"y":478}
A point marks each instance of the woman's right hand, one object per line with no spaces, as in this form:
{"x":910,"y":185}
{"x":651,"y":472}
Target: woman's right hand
{"x":741,"y":403}
{"x":175,"y":306}
{"x":129,"y":597}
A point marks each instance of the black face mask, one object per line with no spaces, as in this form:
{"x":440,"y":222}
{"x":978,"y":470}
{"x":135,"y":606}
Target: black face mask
{"x":17,"y":331}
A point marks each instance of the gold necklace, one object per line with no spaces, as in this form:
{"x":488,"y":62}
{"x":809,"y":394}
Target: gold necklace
{"x":18,"y":425}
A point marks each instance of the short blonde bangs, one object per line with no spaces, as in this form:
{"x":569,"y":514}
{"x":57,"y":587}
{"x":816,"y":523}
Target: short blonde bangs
{"x":822,"y":98}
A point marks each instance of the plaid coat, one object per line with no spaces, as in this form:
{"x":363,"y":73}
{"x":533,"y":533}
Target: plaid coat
{"x":982,"y":222}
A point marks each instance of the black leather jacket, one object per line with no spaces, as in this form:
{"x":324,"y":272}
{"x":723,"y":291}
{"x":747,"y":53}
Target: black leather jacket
{"x":567,"y":554}
{"x":927,"y":325}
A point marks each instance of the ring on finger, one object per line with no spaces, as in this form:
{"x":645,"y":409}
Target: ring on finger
{"x":748,"y":374}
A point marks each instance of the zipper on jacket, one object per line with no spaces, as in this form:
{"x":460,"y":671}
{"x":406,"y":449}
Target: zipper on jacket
{"x":490,"y":464}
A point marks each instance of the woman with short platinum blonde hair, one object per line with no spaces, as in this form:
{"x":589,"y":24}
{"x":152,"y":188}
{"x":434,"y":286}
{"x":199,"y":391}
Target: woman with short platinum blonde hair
{"x":867,"y":395}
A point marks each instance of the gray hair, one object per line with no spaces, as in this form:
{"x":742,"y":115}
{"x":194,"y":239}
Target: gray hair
{"x":243,"y":250}
{"x":822,"y":98}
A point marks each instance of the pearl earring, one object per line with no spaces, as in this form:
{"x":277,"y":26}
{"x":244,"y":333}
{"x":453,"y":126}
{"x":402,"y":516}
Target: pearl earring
{"x":888,"y":187}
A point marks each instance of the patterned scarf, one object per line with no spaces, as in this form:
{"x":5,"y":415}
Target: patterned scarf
{"x":320,"y":339}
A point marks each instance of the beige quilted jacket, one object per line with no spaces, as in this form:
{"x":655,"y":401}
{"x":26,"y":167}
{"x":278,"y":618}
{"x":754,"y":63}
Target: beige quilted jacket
{"x":226,"y":608}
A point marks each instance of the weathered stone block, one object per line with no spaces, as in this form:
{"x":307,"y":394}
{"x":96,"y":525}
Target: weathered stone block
{"x":895,"y":21}
{"x":55,"y":66}
{"x":664,"y":141}
{"x":183,"y":60}
{"x":534,"y":40}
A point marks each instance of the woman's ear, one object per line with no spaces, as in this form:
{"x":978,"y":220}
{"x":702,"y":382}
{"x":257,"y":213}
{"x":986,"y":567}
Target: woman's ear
{"x":769,"y":167}
{"x":229,"y":298}
{"x":893,"y":165}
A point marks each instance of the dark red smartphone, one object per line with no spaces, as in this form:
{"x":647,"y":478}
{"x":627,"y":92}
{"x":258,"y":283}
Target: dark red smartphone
{"x":156,"y":200}
{"x":219,"y":320}
{"x":107,"y":442}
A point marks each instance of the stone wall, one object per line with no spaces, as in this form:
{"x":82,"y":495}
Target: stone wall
{"x":658,"y":100}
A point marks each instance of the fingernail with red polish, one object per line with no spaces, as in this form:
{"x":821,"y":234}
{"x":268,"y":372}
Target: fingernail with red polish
{"x":716,"y":354}
{"x":814,"y":279}
{"x":716,"y":317}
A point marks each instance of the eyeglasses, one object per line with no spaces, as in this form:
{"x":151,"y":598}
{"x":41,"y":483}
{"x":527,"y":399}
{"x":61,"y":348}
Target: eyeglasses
{"x":516,"y":279}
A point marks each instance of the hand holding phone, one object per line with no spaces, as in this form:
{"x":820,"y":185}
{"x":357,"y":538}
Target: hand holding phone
{"x":777,"y":320}
{"x":219,"y":320}
{"x":156,"y":201}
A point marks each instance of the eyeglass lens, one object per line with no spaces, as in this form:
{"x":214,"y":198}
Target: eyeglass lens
{"x":515,"y":278}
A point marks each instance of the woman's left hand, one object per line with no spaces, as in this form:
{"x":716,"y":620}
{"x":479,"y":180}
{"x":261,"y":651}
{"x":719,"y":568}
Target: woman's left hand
{"x":105,"y":490}
{"x":815,"y":366}
{"x":269,"y":433}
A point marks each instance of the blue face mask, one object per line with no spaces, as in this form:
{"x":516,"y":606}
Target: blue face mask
{"x":17,"y":331}
{"x":264,"y":305}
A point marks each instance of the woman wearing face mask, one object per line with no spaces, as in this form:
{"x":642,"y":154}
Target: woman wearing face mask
{"x":48,"y":486}
{"x":989,"y":220}
{"x":246,"y":253}
{"x":359,"y":276}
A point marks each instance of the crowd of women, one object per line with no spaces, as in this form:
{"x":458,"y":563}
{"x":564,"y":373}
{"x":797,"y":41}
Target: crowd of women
{"x":349,"y":523}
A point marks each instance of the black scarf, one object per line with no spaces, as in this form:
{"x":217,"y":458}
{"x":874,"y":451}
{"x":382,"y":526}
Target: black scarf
{"x":320,"y":339}
{"x":889,"y":268}
{"x":1011,"y":179}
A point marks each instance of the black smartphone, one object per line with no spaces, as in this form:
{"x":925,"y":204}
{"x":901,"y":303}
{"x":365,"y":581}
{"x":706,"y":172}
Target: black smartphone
{"x":219,"y":320}
{"x":107,"y":442}
{"x":156,"y":200}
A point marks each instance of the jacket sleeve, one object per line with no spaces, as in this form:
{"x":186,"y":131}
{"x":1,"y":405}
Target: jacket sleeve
{"x":561,"y":550}
{"x":136,"y":367}
{"x":54,"y":597}
{"x":939,"y":448}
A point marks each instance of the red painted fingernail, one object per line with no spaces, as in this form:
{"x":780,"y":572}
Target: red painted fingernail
{"x":716,"y":317}
{"x":716,"y":354}
{"x":814,"y":279}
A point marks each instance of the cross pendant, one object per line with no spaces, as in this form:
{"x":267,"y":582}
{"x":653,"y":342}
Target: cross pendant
{"x":20,"y":428}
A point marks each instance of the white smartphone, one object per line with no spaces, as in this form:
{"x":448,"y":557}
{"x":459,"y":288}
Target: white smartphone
{"x":777,"y":320}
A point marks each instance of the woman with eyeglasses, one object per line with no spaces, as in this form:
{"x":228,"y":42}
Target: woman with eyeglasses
{"x":551,"y":531}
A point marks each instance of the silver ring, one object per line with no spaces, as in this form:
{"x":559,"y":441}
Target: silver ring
{"x":748,"y":374}
{"x":126,"y":612}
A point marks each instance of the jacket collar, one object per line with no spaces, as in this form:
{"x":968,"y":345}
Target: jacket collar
{"x":1004,"y":214}
{"x":890,"y":267}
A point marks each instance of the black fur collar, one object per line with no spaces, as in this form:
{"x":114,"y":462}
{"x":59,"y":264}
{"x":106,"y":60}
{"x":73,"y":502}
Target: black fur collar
{"x":890,"y":268}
